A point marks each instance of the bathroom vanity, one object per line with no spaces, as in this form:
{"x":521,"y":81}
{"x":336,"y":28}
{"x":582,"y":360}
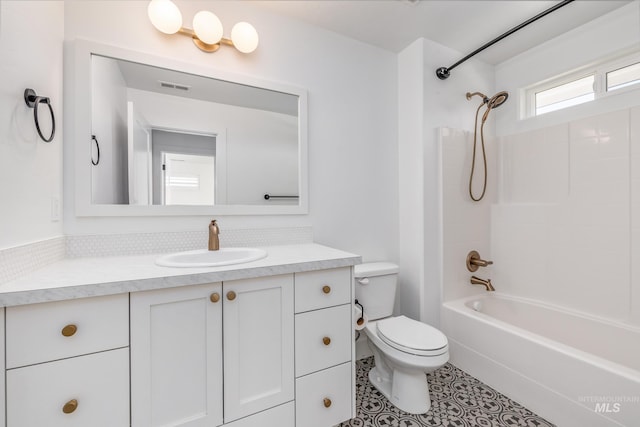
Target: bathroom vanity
{"x":120,"y":341}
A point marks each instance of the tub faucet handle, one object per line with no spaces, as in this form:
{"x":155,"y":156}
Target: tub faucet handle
{"x":474,"y":261}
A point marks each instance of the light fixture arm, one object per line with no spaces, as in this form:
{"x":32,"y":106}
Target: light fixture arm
{"x":205,"y":47}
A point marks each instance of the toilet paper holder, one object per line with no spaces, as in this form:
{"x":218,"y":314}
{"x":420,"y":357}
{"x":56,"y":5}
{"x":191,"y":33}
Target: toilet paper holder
{"x":360,"y":321}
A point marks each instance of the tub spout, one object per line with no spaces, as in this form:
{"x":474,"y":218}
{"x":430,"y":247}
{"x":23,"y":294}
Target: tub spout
{"x":486,"y":283}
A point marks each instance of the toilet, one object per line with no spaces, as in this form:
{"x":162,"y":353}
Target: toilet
{"x":404,"y":350}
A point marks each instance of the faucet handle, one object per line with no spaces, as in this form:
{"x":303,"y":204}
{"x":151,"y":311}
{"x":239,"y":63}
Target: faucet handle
{"x":474,"y":261}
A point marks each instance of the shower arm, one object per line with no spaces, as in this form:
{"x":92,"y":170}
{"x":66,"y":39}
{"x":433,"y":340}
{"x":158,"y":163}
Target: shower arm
{"x":444,"y":72}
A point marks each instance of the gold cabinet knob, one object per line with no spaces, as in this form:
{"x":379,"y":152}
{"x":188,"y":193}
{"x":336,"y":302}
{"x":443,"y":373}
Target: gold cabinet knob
{"x":231,"y":295}
{"x":327,"y":402}
{"x":70,"y":406}
{"x":326,"y":289}
{"x":69,"y":330}
{"x":215,"y":297}
{"x":326,"y":340}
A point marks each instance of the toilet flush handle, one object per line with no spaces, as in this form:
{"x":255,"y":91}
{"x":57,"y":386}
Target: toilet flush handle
{"x":364,"y":281}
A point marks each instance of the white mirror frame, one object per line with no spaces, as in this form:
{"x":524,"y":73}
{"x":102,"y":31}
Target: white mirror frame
{"x":77,"y":147}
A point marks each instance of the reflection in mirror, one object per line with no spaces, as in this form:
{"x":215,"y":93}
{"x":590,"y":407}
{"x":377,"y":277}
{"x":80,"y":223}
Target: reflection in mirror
{"x":173,"y":138}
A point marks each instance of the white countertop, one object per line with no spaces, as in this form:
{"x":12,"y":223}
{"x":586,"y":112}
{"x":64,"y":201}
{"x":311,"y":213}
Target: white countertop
{"x":86,"y":277}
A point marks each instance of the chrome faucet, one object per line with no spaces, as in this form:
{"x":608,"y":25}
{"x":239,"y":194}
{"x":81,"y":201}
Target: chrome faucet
{"x":214,"y":231}
{"x":486,"y":283}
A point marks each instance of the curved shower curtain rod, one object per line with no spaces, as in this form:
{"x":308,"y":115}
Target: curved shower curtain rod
{"x":444,"y":72}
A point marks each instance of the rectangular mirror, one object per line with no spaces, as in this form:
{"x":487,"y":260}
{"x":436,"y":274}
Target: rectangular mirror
{"x":157,"y":137}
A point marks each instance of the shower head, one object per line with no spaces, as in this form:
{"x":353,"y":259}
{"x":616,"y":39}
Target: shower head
{"x":489,"y":103}
{"x":495,"y":101}
{"x":498,"y":99}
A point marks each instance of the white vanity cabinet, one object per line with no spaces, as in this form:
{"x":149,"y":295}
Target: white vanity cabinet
{"x":181,"y":337}
{"x":272,"y":350}
{"x":68,"y":363}
{"x":325,"y":382}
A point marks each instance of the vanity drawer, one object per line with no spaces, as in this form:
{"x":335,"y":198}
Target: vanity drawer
{"x":323,"y":339}
{"x":98,"y":383}
{"x":43,"y":332}
{"x":324,"y":398}
{"x":324,"y":288}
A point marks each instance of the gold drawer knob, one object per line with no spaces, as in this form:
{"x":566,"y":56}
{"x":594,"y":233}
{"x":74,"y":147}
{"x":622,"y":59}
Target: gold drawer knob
{"x":69,"y":330}
{"x":215,"y":297}
{"x":326,"y":289}
{"x":70,"y":406}
{"x":231,"y":295}
{"x":326,"y":340}
{"x":327,"y":402}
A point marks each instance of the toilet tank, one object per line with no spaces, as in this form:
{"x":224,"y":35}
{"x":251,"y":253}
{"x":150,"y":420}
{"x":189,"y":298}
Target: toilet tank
{"x":376,"y":288}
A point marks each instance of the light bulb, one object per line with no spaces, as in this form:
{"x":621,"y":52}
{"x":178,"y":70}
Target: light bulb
{"x":165,"y":16}
{"x":244,"y":37}
{"x":207,"y":27}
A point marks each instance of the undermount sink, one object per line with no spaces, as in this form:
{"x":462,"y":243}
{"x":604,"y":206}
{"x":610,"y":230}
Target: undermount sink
{"x":206,"y":258}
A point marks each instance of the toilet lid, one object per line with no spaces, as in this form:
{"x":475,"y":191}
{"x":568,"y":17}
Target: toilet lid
{"x":411,"y":336}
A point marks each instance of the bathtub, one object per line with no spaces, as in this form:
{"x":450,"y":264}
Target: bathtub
{"x":572,"y":369}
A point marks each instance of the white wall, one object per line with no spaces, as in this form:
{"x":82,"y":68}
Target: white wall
{"x":109,"y":183}
{"x":30,"y":170}
{"x":427,"y":103}
{"x":352,"y":109}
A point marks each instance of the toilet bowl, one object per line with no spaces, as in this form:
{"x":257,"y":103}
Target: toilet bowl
{"x":404,"y":350}
{"x":401,"y":367}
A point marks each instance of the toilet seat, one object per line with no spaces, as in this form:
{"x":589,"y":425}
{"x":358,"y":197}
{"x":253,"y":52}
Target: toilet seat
{"x":411,"y":336}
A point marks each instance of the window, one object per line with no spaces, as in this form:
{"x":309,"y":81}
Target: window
{"x":565,"y":95}
{"x":623,"y":77}
{"x":583,"y":85}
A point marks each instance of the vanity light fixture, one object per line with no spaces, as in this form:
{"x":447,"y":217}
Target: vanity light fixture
{"x":207,"y":29}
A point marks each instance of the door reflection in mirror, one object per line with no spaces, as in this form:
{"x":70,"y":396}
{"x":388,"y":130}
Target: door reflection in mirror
{"x":183,"y":168}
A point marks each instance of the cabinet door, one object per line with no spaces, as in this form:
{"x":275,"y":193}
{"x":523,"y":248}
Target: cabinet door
{"x":176,"y":357}
{"x":258,"y":345}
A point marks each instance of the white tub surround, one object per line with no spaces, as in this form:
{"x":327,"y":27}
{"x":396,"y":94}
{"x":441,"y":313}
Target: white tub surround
{"x":157,"y":342}
{"x":569,"y":367}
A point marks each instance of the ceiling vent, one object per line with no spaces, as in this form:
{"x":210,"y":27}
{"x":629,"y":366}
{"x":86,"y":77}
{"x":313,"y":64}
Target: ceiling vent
{"x":177,"y":86}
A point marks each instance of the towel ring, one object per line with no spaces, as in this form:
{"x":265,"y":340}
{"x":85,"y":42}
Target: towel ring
{"x":95,"y":162}
{"x":32,"y":100}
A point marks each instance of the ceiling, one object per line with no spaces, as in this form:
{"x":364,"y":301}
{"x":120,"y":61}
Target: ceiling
{"x":460,"y":25}
{"x":159,"y":80}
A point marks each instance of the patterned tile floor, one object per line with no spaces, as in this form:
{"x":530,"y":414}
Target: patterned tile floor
{"x":457,"y":400}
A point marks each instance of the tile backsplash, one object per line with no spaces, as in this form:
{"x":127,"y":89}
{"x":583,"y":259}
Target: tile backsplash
{"x":149,"y":243}
{"x":21,"y":260}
